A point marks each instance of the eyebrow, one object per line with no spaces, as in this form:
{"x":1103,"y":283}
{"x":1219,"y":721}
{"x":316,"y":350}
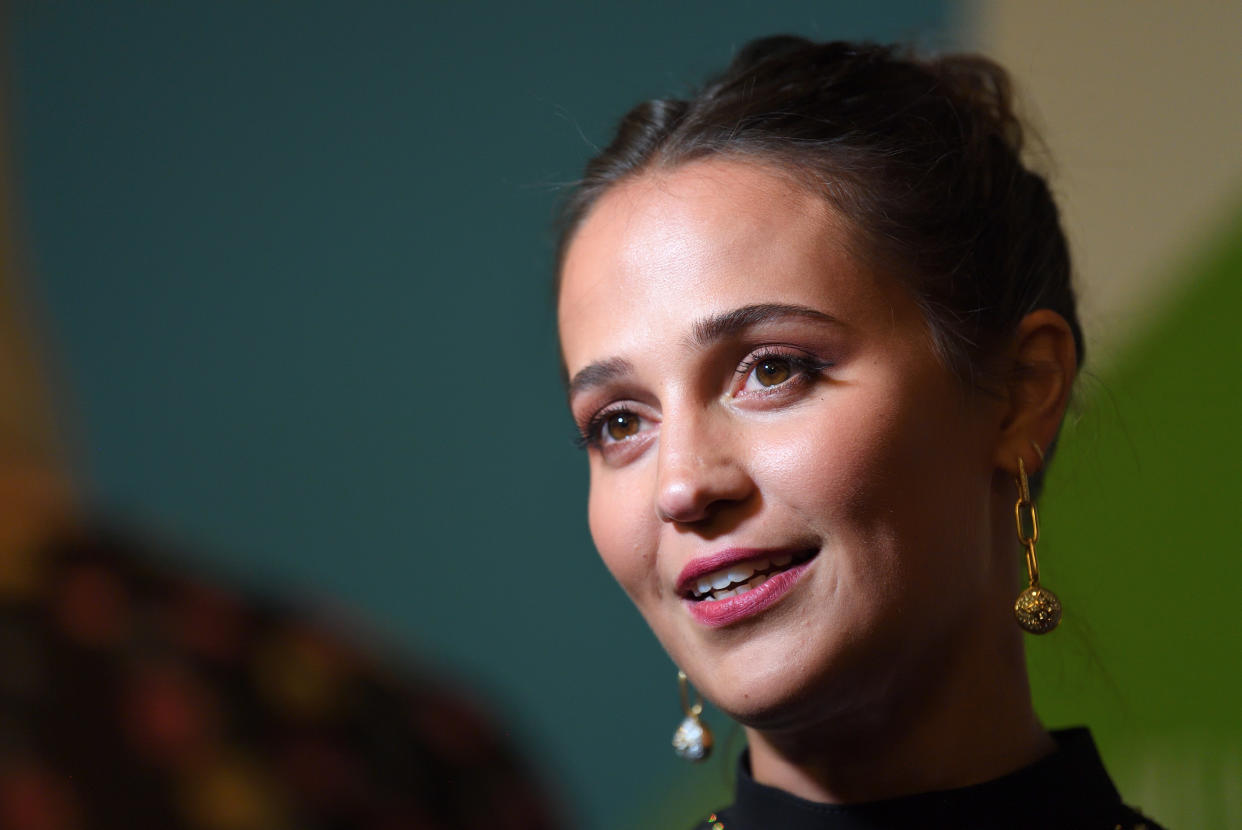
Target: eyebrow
{"x":727,"y":324}
{"x":706,"y":332}
{"x":599,"y":374}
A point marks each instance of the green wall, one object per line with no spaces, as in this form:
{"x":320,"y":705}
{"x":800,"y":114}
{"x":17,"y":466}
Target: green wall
{"x":1141,"y":532}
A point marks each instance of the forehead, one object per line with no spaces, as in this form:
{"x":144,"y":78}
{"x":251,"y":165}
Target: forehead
{"x":672,"y":246}
{"x":659,"y":214}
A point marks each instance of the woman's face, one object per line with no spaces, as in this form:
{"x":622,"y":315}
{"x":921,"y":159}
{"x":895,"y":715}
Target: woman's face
{"x":785,"y":479}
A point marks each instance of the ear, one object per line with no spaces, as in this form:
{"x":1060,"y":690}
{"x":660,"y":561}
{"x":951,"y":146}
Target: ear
{"x":1042,"y":365}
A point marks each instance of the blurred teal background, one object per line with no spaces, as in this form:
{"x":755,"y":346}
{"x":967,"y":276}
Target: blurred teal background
{"x":295,"y":259}
{"x":295,"y":264}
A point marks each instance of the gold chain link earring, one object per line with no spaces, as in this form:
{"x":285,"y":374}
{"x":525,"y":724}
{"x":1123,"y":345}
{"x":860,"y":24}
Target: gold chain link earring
{"x":692,"y":740}
{"x":1038,"y":610}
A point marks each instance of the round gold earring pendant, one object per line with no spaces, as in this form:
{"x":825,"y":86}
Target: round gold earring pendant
{"x":1038,"y":610}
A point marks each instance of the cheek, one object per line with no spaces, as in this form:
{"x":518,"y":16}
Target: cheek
{"x":835,"y":462}
{"x":620,"y":517}
{"x":893,"y":479}
{"x":866,"y":470}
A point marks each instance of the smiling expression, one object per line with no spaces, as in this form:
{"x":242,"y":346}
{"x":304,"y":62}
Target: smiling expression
{"x":785,"y":478}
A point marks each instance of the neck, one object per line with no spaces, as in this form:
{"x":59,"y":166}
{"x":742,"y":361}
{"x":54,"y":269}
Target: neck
{"x":949,"y":726}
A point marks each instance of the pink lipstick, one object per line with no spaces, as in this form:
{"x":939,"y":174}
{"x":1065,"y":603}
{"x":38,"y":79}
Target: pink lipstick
{"x":740,"y":582}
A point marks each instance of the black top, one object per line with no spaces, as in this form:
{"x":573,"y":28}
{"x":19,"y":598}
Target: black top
{"x":1068,"y":790}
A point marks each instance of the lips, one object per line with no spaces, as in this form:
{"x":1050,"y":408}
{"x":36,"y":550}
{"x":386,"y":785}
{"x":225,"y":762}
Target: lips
{"x":739,"y":583}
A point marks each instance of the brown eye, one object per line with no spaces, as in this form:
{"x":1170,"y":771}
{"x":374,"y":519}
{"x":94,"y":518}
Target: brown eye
{"x":772,"y":371}
{"x":621,"y":425}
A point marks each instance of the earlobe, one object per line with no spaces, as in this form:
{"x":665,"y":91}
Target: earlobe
{"x":1042,"y":366}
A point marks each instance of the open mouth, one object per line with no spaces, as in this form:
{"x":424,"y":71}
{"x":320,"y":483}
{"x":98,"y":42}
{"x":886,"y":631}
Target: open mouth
{"x":741,"y":577}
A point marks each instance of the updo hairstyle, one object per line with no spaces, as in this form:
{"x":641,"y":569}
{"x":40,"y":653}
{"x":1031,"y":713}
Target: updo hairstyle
{"x":921,"y":156}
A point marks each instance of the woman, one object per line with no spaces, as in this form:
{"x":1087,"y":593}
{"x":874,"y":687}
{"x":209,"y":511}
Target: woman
{"x":820,"y":338}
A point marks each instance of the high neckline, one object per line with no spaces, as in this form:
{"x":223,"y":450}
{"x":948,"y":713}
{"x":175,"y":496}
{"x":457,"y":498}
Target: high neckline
{"x":1068,"y":788}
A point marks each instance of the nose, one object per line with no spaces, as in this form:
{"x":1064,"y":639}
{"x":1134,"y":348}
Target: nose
{"x":700,"y":470}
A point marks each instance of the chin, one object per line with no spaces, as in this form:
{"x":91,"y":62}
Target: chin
{"x":794,"y":682}
{"x":785,"y":705}
{"x":765,"y":687}
{"x":765,"y":708}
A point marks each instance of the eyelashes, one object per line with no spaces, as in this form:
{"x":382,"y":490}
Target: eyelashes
{"x":776,"y":367}
{"x":764,"y":373}
{"x":620,"y":417}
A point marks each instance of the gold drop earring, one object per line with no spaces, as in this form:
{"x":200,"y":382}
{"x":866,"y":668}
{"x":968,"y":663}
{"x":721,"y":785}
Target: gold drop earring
{"x":1038,"y":610}
{"x":692,"y":740}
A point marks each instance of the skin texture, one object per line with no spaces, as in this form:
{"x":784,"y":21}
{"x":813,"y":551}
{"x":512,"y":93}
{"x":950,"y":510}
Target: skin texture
{"x":893,"y":665}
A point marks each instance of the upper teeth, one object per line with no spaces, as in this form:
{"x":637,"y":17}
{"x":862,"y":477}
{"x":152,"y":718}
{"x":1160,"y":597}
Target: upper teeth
{"x":737,"y":578}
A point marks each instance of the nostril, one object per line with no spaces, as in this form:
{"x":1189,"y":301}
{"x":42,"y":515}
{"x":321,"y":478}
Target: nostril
{"x":691,"y":499}
{"x":680,"y":501}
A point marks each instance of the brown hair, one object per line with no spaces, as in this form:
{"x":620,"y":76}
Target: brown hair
{"x":922,"y":156}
